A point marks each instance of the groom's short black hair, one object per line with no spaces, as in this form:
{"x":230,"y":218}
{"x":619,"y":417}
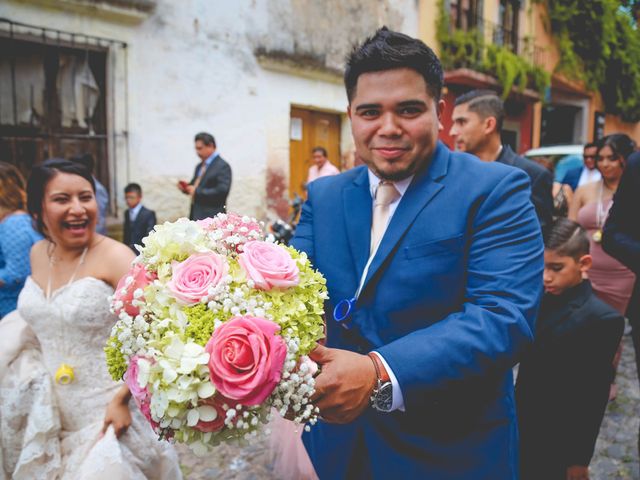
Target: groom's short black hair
{"x":388,"y":50}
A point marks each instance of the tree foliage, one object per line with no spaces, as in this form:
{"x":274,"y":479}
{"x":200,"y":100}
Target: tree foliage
{"x":599,"y":43}
{"x":467,"y":49}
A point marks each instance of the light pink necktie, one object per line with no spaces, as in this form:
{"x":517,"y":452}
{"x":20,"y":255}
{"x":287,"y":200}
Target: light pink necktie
{"x":386,"y":194}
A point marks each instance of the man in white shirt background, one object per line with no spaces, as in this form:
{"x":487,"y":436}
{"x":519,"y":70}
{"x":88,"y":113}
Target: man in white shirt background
{"x":577,"y":177}
{"x":321,"y":167}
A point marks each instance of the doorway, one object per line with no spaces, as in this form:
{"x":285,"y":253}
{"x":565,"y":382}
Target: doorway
{"x":309,"y":129}
{"x":560,"y":125}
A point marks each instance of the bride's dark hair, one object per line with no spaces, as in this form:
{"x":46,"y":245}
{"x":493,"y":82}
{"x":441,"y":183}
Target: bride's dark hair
{"x":40,"y":177}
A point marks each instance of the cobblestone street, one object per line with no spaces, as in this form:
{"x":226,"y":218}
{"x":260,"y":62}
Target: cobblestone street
{"x":228,"y":463}
{"x":616,"y":456}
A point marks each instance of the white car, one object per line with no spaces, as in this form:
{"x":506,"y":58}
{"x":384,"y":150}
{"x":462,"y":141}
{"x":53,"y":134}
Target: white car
{"x":558,"y":158}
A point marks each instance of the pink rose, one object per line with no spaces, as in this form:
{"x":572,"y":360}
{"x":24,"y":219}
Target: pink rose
{"x":269,"y":265}
{"x":216,"y":402}
{"x":206,"y":223}
{"x":192,"y":278}
{"x":131,"y":379}
{"x":246,"y":359}
{"x":141,"y":395}
{"x":145,"y":408}
{"x":140,"y":278}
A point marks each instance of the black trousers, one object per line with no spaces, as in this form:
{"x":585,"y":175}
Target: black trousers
{"x":633,"y":314}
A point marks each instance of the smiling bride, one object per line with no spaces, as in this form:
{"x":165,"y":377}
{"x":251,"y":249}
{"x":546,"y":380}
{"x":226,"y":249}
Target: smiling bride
{"x":61,"y":415}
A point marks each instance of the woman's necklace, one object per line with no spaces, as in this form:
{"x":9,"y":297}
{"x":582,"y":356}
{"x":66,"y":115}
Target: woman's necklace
{"x":601,"y":213}
{"x":64,"y":374}
{"x":73,"y":275}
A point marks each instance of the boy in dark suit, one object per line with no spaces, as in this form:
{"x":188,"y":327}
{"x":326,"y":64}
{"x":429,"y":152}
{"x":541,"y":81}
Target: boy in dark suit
{"x":563,"y":383}
{"x":138,"y":220}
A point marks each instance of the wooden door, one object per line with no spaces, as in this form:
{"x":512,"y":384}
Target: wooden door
{"x":309,"y":129}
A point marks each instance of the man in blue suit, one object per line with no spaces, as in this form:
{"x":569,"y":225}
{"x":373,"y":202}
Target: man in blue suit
{"x":424,"y":325}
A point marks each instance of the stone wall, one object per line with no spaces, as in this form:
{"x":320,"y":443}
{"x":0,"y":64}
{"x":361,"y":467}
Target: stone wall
{"x":198,"y":66}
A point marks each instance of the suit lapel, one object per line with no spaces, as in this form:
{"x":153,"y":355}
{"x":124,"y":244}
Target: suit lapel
{"x":506,"y":155}
{"x":422,"y":190}
{"x":357,"y":204}
{"x":141,"y":214}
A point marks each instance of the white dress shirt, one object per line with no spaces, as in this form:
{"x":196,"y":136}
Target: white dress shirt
{"x":401,"y":186}
{"x":133,"y":212}
{"x":588,"y":176}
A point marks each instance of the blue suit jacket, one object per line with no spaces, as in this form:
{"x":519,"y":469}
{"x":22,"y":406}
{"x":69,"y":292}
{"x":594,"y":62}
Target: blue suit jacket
{"x":449,"y":301}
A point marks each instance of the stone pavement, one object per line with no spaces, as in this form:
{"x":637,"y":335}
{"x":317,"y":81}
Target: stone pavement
{"x":228,"y":462}
{"x":616,"y":456}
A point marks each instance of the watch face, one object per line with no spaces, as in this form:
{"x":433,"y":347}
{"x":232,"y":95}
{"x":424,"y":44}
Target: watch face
{"x":384,"y":398}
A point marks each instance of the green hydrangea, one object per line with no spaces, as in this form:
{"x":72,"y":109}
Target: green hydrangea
{"x":116,"y":363}
{"x":201,"y":323}
{"x":300,"y":312}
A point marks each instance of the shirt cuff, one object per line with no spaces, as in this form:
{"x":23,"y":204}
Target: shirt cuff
{"x":398,"y":399}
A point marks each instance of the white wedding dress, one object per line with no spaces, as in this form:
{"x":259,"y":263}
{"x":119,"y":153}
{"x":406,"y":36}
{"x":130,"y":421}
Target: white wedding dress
{"x":52,"y":431}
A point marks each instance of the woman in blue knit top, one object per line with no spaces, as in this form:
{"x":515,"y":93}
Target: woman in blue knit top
{"x":16,"y":237}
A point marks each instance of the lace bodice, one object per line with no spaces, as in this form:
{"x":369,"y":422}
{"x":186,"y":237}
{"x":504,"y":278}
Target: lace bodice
{"x":72,"y":328}
{"x":51,"y":431}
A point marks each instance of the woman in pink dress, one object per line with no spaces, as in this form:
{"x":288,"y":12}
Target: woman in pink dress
{"x":612,"y":282}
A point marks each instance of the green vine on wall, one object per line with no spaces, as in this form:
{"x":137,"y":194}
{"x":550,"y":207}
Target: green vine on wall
{"x":467,"y":49}
{"x":599,"y":43}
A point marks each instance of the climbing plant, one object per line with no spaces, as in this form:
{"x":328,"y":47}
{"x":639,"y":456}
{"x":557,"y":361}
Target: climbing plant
{"x":467,"y":49}
{"x":599,"y":43}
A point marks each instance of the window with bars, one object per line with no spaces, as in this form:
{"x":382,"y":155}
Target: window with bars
{"x":508,"y":31}
{"x":464,"y":14}
{"x":52,"y":102}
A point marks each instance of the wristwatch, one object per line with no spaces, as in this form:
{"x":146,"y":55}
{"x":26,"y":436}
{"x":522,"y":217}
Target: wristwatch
{"x":382,"y":395}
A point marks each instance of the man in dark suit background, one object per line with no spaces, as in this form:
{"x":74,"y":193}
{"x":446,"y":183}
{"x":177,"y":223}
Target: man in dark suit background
{"x":576,"y":177}
{"x":563,"y":382}
{"x":477,"y":126}
{"x":621,"y":239}
{"x":211,"y":180}
{"x":138,"y":220}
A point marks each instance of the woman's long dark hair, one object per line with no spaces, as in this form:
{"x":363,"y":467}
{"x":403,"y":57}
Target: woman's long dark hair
{"x":40,"y":177}
{"x":620,"y":144}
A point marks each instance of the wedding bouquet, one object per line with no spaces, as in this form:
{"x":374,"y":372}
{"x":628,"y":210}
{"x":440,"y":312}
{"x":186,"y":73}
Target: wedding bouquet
{"x":215,"y":322}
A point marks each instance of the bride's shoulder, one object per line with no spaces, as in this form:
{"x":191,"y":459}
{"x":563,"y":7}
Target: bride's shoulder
{"x":38,"y":255}
{"x":109,"y":246}
{"x":113,"y":259}
{"x":40,"y":247}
